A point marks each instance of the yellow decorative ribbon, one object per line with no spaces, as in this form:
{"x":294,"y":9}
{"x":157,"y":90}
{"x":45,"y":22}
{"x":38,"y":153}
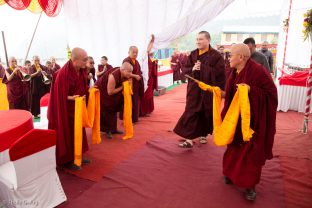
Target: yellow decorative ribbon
{"x":127,"y":116}
{"x":4,"y":103}
{"x":34,"y":7}
{"x":224,"y":130}
{"x":89,"y":118}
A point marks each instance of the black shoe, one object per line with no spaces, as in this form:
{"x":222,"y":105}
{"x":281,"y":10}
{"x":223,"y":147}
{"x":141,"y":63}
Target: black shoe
{"x":85,"y":161}
{"x":72,"y":166}
{"x":250,"y":194}
{"x":117,"y":132}
{"x":227,"y":181}
{"x":109,"y":135}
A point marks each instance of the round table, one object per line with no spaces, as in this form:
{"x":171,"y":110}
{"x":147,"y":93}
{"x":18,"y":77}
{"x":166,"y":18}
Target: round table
{"x":13,"y":125}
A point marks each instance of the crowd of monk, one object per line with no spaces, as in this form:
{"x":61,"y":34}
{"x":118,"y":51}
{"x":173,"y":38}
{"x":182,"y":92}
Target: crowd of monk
{"x":244,"y":66}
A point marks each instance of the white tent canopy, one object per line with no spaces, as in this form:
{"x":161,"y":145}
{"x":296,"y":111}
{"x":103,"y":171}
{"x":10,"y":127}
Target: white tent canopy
{"x":109,"y":27}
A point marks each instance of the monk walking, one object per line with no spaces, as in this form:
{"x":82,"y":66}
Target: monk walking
{"x":207,"y":65}
{"x":137,"y":85}
{"x":243,"y":161}
{"x":70,"y":82}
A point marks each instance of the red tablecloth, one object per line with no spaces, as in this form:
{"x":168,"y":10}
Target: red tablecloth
{"x":13,"y":125}
{"x":298,"y":78}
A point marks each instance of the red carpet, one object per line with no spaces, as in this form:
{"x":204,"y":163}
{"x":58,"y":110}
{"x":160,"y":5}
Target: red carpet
{"x":292,"y":151}
{"x":163,"y":175}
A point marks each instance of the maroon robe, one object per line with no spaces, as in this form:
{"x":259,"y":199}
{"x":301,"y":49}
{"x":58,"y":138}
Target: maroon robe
{"x":2,"y":72}
{"x":176,"y":68}
{"x":16,"y":91}
{"x":137,"y":88}
{"x":101,"y":68}
{"x":61,"y":111}
{"x":37,"y":89}
{"x":147,"y":102}
{"x":27,"y":93}
{"x":182,"y":62}
{"x":55,"y":68}
{"x":243,"y":161}
{"x":110,"y":104}
{"x":196,"y":120}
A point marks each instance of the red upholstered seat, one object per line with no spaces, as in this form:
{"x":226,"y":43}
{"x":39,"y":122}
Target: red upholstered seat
{"x":32,"y":142}
{"x":44,"y":101}
{"x":13,"y":125}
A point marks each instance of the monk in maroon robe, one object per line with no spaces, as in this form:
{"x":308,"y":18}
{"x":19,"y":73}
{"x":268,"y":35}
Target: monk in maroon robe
{"x":37,"y":86}
{"x":103,"y":67}
{"x":183,"y":57}
{"x":90,"y":70}
{"x":15,"y":86}
{"x":68,"y":82}
{"x":54,"y":66}
{"x":206,"y":65}
{"x":243,"y":161}
{"x":2,"y":71}
{"x":147,"y":102}
{"x":176,"y":67}
{"x":137,"y":85}
{"x":110,"y":85}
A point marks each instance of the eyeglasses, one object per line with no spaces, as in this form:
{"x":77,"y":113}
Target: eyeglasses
{"x":91,"y":62}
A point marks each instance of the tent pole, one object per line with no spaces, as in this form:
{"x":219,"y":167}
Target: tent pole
{"x":5,"y":49}
{"x":32,"y":38}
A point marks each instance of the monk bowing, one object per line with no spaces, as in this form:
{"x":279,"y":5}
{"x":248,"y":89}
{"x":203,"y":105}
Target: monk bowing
{"x":111,"y":86}
{"x":16,"y":90}
{"x":147,"y":101}
{"x":69,"y":82}
{"x":207,"y":65}
{"x":137,"y":85}
{"x":243,"y":161}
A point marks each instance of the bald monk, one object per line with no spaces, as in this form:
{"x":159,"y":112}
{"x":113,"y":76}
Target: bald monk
{"x":137,"y":85}
{"x":15,"y":86}
{"x":147,"y":101}
{"x":103,"y":67}
{"x":54,"y":66}
{"x":207,"y":65}
{"x":68,"y":82}
{"x":110,"y":85}
{"x":243,"y":161}
{"x":37,"y":87}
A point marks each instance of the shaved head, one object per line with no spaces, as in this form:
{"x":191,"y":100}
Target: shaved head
{"x":77,"y":53}
{"x":79,"y":57}
{"x":241,"y":49}
{"x":133,"y":52}
{"x":240,"y":54}
{"x":126,"y":70}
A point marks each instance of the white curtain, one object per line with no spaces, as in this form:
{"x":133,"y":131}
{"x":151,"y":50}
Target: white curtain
{"x":106,"y":27}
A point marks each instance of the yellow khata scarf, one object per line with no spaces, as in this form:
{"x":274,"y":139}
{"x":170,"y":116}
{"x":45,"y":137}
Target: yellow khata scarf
{"x":4,"y":103}
{"x":200,"y":52}
{"x":127,"y":114}
{"x":224,"y":130}
{"x":89,"y":118}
